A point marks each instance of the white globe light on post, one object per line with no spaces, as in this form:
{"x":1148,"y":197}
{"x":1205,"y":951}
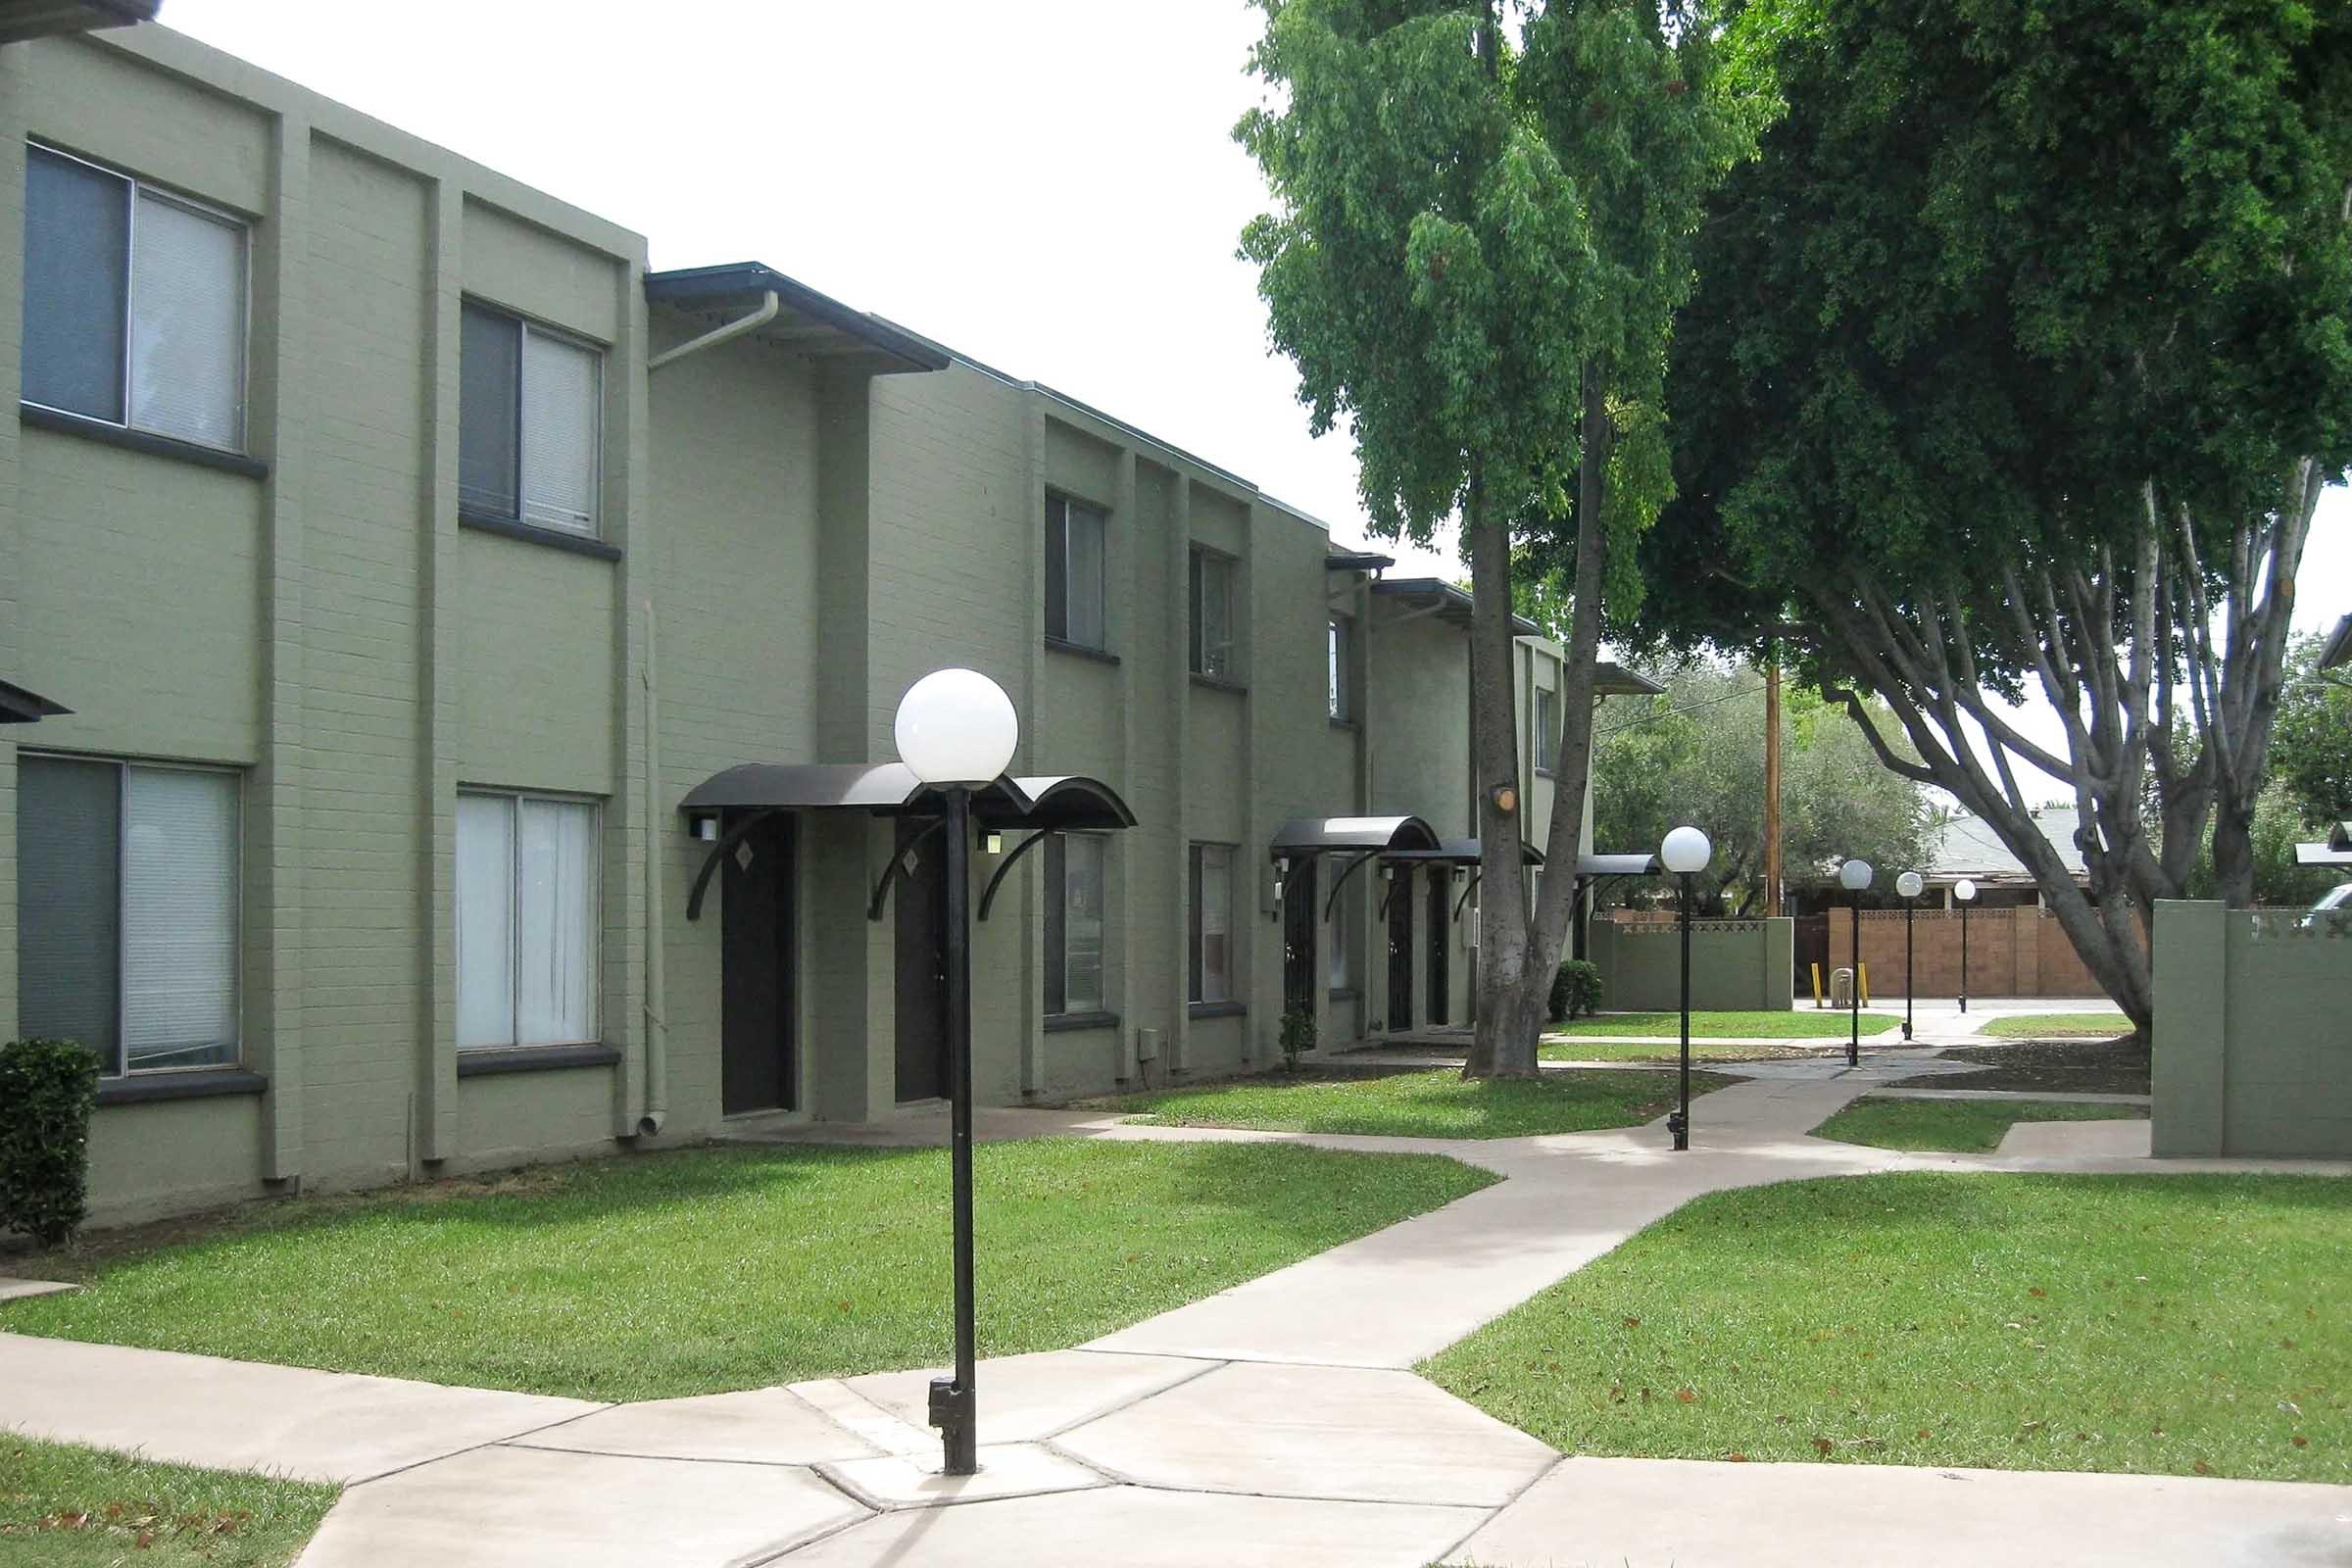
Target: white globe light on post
{"x":957,"y":731}
{"x":1966,"y":892}
{"x":1684,"y":852}
{"x":1854,"y":876}
{"x":1908,"y":884}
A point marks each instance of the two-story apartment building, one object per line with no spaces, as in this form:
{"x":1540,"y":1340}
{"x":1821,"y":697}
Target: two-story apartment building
{"x":481,"y":652}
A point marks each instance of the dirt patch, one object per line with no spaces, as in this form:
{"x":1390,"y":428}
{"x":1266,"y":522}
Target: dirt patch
{"x":2068,"y":1066}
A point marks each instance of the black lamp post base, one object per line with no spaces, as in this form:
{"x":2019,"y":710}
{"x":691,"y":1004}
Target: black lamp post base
{"x":951,"y":1414}
{"x":1907,"y":1031}
{"x":1679,"y":1126}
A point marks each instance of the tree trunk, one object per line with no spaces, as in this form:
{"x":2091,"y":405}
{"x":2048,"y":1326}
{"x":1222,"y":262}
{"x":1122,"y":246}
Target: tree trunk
{"x":1503,"y":966}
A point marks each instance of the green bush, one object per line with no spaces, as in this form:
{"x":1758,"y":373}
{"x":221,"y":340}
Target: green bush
{"x":1575,"y":991}
{"x":1297,"y":1036}
{"x":48,"y":1088}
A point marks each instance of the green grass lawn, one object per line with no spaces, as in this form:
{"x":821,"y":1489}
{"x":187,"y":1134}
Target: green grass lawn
{"x":2057,"y":1026}
{"x":1790,"y":1024}
{"x":1424,"y":1104}
{"x":647,"y":1277}
{"x":1957,"y":1126}
{"x":2176,"y":1325}
{"x":72,"y":1507}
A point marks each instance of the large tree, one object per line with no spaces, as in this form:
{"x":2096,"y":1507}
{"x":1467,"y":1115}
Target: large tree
{"x":1481,"y":225}
{"x":1696,"y":755}
{"x":2022,"y":355}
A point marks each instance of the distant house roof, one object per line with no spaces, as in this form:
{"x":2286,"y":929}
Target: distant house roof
{"x":2335,"y":850}
{"x":1969,"y":847}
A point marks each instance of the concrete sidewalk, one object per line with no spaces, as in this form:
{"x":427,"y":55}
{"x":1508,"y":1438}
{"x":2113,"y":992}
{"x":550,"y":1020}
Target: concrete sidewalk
{"x":1277,"y":1423}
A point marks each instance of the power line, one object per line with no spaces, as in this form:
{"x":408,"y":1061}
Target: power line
{"x":1671,"y":713}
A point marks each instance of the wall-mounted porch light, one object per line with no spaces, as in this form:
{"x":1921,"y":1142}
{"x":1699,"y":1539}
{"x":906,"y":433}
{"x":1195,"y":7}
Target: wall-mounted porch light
{"x":703,"y":825}
{"x":992,"y":843}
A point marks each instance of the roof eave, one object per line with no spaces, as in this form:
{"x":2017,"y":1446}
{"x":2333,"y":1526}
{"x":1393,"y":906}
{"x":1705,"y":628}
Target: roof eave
{"x":682,"y":287}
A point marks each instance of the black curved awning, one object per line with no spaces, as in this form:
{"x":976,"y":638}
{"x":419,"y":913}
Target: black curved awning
{"x":1352,"y":835}
{"x":1061,"y":802}
{"x":21,"y":706}
{"x":1069,"y":802}
{"x":1635,"y":865}
{"x":1458,"y":852}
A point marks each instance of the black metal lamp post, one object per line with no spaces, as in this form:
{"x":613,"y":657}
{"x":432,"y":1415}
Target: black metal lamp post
{"x":1966,"y":892}
{"x":1684,"y":852}
{"x":1908,"y":884}
{"x":956,"y":730}
{"x":1854,"y":876}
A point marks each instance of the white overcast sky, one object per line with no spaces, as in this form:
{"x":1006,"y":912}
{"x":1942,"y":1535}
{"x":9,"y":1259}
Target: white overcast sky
{"x":1048,"y":186}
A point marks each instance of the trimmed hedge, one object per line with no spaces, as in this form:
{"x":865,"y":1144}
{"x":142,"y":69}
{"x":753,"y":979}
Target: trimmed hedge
{"x":1575,"y":991}
{"x":48,"y":1088}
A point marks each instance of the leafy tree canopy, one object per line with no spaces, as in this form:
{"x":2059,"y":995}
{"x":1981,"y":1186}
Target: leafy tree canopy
{"x":2312,"y":753}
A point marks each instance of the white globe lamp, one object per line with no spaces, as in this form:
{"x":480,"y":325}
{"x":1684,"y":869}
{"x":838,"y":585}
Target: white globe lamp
{"x":1855,"y":875}
{"x":1910,"y":884}
{"x":956,"y":726}
{"x":1964,"y":891}
{"x":1686,"y":851}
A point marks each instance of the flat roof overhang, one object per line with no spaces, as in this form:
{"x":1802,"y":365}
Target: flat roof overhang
{"x":21,"y":706}
{"x":1450,"y":605}
{"x":20,"y":20}
{"x":815,"y":326}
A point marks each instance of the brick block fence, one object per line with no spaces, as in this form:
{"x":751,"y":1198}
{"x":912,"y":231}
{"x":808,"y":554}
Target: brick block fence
{"x":2011,"y":952}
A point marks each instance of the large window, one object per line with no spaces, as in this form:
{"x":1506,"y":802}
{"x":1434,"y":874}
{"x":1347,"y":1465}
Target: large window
{"x":1548,"y":730}
{"x":1075,"y":921}
{"x":1212,"y":614}
{"x":134,"y":304}
{"x":1340,"y":668}
{"x":126,"y":911}
{"x":1074,"y":575}
{"x":527,"y":921}
{"x":527,"y":404}
{"x":1212,"y":922}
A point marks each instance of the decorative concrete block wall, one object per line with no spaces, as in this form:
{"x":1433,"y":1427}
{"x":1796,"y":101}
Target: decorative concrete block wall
{"x":2253,"y":1045}
{"x":2011,"y":952}
{"x":1733,"y":963}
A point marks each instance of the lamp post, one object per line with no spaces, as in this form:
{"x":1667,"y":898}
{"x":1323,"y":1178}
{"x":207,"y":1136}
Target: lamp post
{"x":957,"y":730}
{"x":1966,"y":892}
{"x":1684,"y":852}
{"x":1908,"y":884}
{"x":1854,"y":876}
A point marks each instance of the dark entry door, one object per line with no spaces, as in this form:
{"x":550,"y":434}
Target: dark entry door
{"x":1300,"y":917}
{"x":1812,"y":949}
{"x":921,"y":900}
{"x":1400,"y":951}
{"x":756,"y":980}
{"x":1439,"y":921}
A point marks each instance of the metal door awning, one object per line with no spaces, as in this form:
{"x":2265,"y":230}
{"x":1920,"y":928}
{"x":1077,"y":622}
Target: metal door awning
{"x":1367,"y":838}
{"x":752,"y":791}
{"x":1637,"y":864}
{"x":2335,"y":850}
{"x":21,"y":706}
{"x":1458,"y":852}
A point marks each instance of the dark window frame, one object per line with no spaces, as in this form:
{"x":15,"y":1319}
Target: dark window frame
{"x":1228,"y":568}
{"x":1339,"y":666}
{"x":1059,"y":509}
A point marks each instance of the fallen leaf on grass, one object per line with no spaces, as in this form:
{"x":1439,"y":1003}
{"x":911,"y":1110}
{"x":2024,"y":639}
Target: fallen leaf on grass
{"x":2300,"y":1440}
{"x":2202,"y":1468}
{"x":1687,"y":1395}
{"x":1824,"y":1446}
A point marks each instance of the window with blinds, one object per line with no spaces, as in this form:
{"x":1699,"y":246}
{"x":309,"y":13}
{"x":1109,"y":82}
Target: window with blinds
{"x":1074,"y":573}
{"x":134,"y":304}
{"x":1212,"y":614}
{"x":527,"y":921}
{"x":527,"y":415}
{"x":126,"y":911}
{"x":1212,"y":922}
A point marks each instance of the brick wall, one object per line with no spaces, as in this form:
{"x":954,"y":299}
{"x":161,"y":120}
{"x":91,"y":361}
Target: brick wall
{"x":2011,"y":952}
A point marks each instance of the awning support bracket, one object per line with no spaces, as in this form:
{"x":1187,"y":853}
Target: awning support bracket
{"x":897,"y":870}
{"x":1470,"y":888}
{"x":1339,"y":881}
{"x":988,"y":895}
{"x":734,"y":836}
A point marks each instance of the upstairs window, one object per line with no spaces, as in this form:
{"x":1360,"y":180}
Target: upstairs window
{"x":1548,"y":730}
{"x":1340,"y":664}
{"x":527,"y":403}
{"x":1074,"y":578}
{"x":1212,"y":614}
{"x":134,"y":304}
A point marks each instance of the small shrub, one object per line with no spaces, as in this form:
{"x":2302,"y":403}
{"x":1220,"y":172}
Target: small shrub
{"x":1297,"y":1036}
{"x":48,"y":1088}
{"x":1575,"y":991}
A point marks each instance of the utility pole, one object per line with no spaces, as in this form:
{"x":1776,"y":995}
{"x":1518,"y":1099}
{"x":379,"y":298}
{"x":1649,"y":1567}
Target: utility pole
{"x":1772,"y":781}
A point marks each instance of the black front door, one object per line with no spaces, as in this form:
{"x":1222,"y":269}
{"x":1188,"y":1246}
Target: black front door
{"x":1400,"y":951}
{"x":1299,"y":920}
{"x":756,"y":991}
{"x":921,"y":900}
{"x":1439,"y":921}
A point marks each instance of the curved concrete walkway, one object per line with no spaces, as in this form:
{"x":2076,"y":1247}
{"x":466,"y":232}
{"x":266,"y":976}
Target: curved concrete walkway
{"x":1275,"y":1423}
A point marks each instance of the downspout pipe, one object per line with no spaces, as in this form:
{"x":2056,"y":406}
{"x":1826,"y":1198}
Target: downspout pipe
{"x":656,"y":997}
{"x":723,"y":333}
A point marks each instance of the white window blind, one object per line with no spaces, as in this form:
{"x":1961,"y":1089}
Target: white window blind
{"x":180,"y":919}
{"x":558,"y":433}
{"x":1216,"y":924}
{"x":555,"y":916}
{"x":527,"y":921}
{"x":188,"y":323}
{"x":485,"y":921}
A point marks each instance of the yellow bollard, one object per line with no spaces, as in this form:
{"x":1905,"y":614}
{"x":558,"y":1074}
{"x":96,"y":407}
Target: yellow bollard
{"x":1816,"y":968}
{"x":1864,"y":981}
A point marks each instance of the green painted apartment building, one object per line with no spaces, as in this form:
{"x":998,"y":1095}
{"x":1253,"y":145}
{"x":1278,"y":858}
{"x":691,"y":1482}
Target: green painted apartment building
{"x":424,"y":578}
